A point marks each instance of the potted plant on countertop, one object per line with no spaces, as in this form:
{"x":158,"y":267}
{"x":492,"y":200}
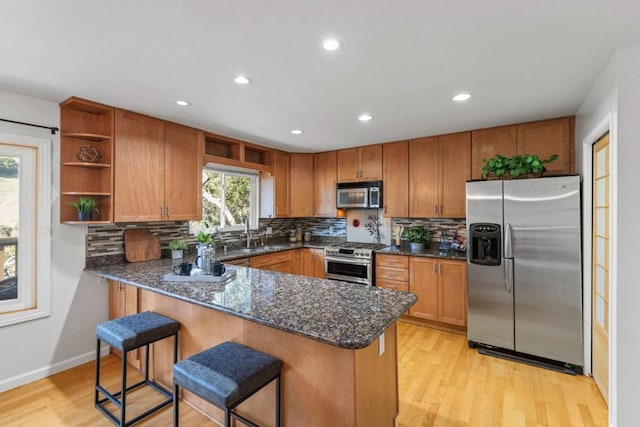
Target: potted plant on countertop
{"x":419,"y":237}
{"x":177,"y":248}
{"x":85,"y":207}
{"x":518,"y":166}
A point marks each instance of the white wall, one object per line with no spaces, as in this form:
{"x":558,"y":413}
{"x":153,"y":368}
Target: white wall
{"x":66,"y":338}
{"x":617,"y":94}
{"x":628,"y":287}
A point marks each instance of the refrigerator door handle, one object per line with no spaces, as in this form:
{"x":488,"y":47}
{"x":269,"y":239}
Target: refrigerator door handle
{"x":508,"y":248}
{"x":508,"y":274}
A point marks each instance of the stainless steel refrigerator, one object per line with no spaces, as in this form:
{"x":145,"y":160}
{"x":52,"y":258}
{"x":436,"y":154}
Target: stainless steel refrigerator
{"x":524,"y":266}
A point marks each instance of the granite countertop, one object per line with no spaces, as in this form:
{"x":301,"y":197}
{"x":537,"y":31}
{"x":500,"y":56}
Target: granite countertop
{"x":338,"y":313}
{"x":432,"y":252}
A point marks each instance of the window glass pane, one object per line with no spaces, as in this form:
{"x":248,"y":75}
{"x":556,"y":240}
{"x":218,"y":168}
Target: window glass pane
{"x":9,"y":226}
{"x":600,"y":280}
{"x":600,"y":259}
{"x":237,"y":199}
{"x":601,"y":162}
{"x":600,"y":310}
{"x":229,"y":197}
{"x":601,"y":224}
{"x":601,"y":192}
{"x":212,"y":197}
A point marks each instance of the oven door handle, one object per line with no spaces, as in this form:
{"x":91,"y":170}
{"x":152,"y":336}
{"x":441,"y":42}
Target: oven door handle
{"x":356,"y":261}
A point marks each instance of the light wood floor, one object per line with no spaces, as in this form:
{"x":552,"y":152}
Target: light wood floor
{"x":441,"y":381}
{"x":444,"y":383}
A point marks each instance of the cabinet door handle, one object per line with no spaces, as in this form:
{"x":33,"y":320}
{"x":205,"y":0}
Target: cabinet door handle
{"x":167,"y":212}
{"x":433,"y":267}
{"x":161,"y":211}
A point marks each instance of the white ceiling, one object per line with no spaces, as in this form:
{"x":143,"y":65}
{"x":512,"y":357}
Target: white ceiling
{"x":402,"y":61}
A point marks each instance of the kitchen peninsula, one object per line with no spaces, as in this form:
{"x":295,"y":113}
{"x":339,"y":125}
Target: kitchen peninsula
{"x":337,"y":340}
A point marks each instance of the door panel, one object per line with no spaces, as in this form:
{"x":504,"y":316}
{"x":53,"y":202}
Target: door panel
{"x":486,"y":143}
{"x":600,"y":266}
{"x":184,"y":148}
{"x":423,"y":282}
{"x":544,"y":215}
{"x":424,"y":184}
{"x":490,"y":313}
{"x":138,"y":190}
{"x":456,"y":170}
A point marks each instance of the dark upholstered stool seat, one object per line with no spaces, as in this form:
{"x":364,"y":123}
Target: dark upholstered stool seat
{"x":136,"y":330}
{"x":126,"y":334}
{"x":226,"y":375}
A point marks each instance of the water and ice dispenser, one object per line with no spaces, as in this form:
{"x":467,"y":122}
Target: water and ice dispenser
{"x":485,"y":244}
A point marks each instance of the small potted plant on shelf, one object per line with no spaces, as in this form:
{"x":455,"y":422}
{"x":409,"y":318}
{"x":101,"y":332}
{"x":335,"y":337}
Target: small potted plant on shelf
{"x":85,"y":207}
{"x":177,"y":248}
{"x":518,"y":166}
{"x":419,"y":237}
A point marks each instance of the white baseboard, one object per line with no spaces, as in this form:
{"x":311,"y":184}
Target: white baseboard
{"x":44,"y":372}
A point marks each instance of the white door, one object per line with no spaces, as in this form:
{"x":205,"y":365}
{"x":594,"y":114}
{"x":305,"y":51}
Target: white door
{"x":600,"y":265}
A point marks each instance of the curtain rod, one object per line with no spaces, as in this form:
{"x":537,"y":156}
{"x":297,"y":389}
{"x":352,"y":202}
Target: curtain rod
{"x":51,"y":128}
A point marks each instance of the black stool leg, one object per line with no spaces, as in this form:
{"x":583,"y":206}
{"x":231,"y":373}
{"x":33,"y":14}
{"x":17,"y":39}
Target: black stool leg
{"x":278,"y":401}
{"x":123,"y":396}
{"x":146,"y":363}
{"x":95,"y":399}
{"x":175,"y":404}
{"x":227,"y":417}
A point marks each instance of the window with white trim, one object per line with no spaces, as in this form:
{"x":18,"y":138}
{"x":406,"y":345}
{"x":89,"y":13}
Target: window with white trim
{"x":25,"y":225}
{"x":228,"y":196}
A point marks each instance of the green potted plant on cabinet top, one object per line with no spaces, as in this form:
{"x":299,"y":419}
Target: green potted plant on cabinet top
{"x":177,"y":248}
{"x":518,"y":166}
{"x":85,"y":207}
{"x":419,"y":237}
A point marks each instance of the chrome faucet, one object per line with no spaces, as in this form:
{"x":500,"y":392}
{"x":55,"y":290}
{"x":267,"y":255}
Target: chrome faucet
{"x":247,"y":231}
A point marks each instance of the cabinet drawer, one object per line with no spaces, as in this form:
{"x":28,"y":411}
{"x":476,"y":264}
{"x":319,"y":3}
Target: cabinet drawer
{"x":397,"y":261}
{"x":389,"y":273}
{"x":392,"y":284}
{"x":270,"y":259}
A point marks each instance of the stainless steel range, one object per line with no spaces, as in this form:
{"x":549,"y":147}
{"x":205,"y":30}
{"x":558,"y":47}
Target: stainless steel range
{"x":351,"y":262}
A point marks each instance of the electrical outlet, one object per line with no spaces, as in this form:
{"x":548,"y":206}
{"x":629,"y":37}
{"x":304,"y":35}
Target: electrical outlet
{"x":331,"y":229}
{"x":269,"y":231}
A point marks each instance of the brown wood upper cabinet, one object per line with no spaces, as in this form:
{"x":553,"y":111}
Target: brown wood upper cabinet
{"x":324,"y":184}
{"x":395,"y":179}
{"x":301,"y":185}
{"x":543,"y":138}
{"x":360,"y":164}
{"x":158,"y":167}
{"x":439,"y":167}
{"x":281,"y":166}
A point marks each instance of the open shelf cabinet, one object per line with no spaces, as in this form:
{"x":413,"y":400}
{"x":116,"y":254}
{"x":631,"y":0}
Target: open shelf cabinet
{"x":232,"y":152}
{"x":86,"y":124}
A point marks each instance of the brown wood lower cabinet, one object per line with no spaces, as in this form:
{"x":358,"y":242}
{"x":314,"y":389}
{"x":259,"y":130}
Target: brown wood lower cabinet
{"x":441,"y":286}
{"x":392,"y":272}
{"x":123,"y":301}
{"x":278,"y":261}
{"x":312,"y":262}
{"x":322,"y":385}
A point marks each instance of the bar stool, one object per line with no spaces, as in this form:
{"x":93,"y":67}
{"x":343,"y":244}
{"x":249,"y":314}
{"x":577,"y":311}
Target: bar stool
{"x":126,"y":334}
{"x":226,"y":375}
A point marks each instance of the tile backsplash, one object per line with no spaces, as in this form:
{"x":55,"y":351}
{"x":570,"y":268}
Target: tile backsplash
{"x":107,"y":240}
{"x":437,"y":226}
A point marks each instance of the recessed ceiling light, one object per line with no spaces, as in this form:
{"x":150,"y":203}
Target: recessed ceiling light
{"x":331,"y":44}
{"x":297,"y":131}
{"x":183,"y":103}
{"x":365,"y":117}
{"x":242,"y":80}
{"x":461,"y":97}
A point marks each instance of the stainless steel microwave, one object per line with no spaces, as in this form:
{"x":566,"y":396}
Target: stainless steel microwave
{"x":359,"y":195}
